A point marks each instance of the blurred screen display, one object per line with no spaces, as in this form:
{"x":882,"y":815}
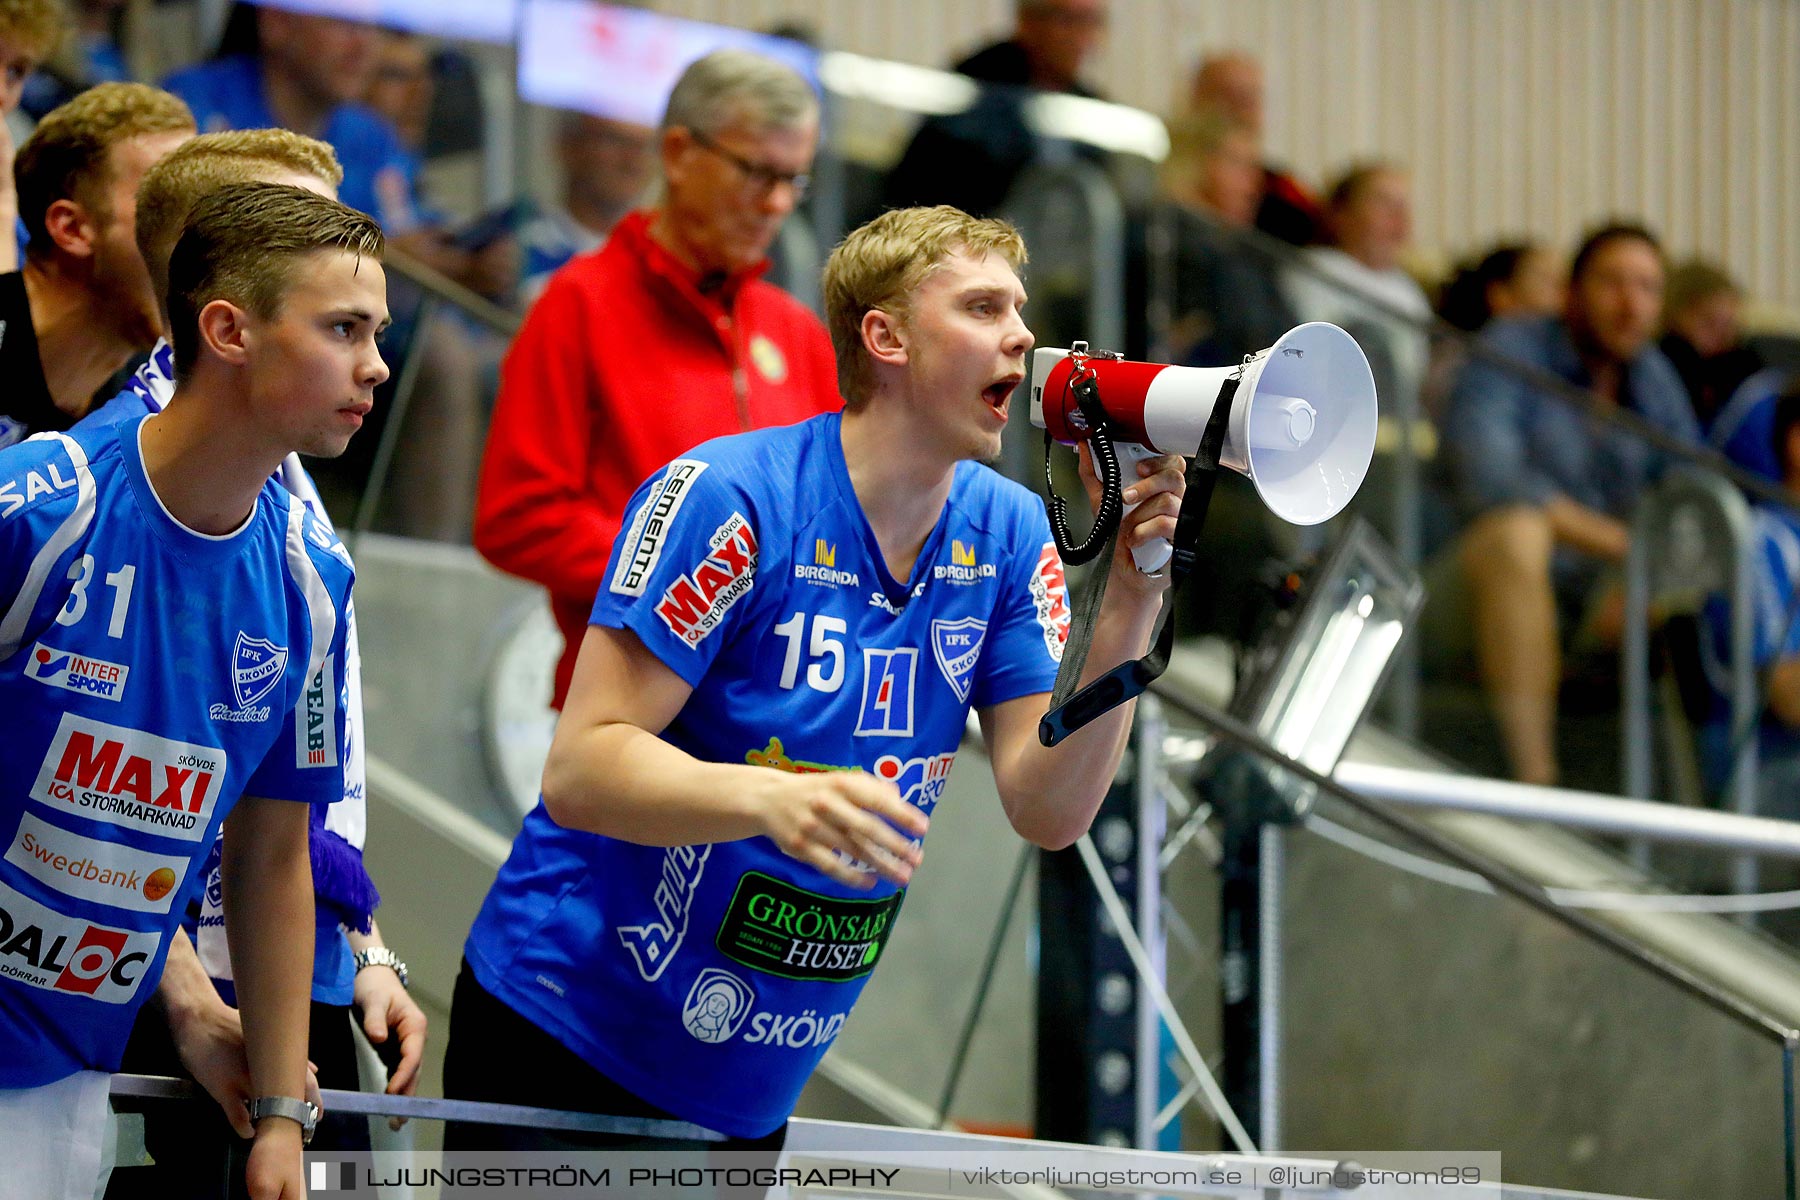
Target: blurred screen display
{"x":475,"y":20}
{"x":622,"y":63}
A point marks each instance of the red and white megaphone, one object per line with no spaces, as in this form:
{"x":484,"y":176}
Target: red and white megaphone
{"x":1301,"y":426}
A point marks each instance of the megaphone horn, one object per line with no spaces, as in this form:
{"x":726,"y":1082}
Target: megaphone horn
{"x":1301,"y":426}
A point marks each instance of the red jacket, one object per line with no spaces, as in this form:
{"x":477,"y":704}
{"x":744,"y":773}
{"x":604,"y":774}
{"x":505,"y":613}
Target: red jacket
{"x":622,"y":365}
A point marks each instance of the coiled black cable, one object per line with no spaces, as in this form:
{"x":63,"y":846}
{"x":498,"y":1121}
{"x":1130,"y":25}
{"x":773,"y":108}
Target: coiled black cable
{"x":1106,"y":467}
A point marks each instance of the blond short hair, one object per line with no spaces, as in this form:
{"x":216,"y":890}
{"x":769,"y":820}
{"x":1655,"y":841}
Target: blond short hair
{"x":38,"y":25}
{"x":241,"y":245}
{"x":207,"y":163}
{"x":67,"y":157}
{"x":882,"y":264}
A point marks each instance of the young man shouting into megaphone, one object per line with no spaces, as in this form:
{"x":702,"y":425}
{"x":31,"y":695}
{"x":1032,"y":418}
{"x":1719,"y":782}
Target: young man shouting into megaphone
{"x":681,"y":930}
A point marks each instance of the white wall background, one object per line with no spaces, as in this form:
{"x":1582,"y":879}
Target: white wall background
{"x":1517,"y":117}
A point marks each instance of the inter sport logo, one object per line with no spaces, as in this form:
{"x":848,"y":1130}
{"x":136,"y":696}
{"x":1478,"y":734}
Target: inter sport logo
{"x":73,"y":673}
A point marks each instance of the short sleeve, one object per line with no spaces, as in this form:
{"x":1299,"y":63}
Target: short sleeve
{"x":681,"y":569}
{"x":306,"y":762}
{"x":311,"y":750}
{"x":1031,"y":618}
{"x":46,"y":509}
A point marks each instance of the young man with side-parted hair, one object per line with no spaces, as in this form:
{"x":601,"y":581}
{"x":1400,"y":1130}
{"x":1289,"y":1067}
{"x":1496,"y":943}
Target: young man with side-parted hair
{"x":788,"y":640}
{"x":82,"y":305}
{"x":172,"y":649}
{"x":352,"y":966}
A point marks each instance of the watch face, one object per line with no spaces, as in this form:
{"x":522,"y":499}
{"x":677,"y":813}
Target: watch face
{"x":517,"y":720}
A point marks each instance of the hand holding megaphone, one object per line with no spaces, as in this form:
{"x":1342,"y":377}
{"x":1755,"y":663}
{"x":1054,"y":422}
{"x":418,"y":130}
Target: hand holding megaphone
{"x":1301,"y":424}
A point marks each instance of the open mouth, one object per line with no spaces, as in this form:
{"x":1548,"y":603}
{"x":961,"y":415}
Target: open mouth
{"x":999,"y":392}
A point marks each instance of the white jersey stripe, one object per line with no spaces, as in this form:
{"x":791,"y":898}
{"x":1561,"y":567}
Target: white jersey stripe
{"x":318,"y":601}
{"x":74,"y":526}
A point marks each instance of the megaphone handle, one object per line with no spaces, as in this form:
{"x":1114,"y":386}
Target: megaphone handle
{"x":1150,"y":557}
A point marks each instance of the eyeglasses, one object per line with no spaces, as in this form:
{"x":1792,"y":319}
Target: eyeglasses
{"x":762,"y":176}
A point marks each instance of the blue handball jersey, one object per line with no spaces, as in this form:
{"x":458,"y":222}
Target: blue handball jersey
{"x":149,"y":676}
{"x":710,"y":979}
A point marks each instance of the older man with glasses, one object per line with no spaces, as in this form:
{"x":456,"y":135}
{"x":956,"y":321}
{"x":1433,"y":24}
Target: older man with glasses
{"x":663,"y":338}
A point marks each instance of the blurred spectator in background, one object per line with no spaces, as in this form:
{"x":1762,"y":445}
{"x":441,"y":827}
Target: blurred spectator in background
{"x":1703,"y":335}
{"x":971,"y":159}
{"x":1356,"y":281}
{"x":401,"y":86}
{"x":1514,"y":279}
{"x":662,"y":339}
{"x":607,"y":167}
{"x":311,"y":75}
{"x":82,"y":305}
{"x":30,"y":32}
{"x":1200,"y":273}
{"x":1549,"y":490}
{"x":1218,"y":298}
{"x":1776,"y":623}
{"x":1511,"y":280}
{"x":101,"y":31}
{"x":484,"y":256}
{"x":1232,"y":83}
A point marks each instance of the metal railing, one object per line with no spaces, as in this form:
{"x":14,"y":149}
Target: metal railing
{"x":436,"y":290}
{"x":914,"y":1162}
{"x":1635,"y":819}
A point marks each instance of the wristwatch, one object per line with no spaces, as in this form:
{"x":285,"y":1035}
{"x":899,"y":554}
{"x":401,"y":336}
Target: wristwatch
{"x":303,"y":1112}
{"x":380,"y":956}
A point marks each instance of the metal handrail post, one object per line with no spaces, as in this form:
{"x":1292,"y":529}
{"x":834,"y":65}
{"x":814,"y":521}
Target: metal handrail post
{"x":1787,"y":1116}
{"x":1270,"y":888}
{"x":1148,"y":731}
{"x":1746,"y":715}
{"x":1403,"y":686}
{"x":983,"y":985}
{"x":1635,"y":685}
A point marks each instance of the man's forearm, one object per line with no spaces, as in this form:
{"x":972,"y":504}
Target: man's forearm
{"x":1586,"y":529}
{"x":360,"y":941}
{"x":267,"y":878}
{"x":185,"y":987}
{"x":1051,"y":793}
{"x":624,"y":782}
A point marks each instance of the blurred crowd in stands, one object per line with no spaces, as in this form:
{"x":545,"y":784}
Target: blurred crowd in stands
{"x":1525,"y":510}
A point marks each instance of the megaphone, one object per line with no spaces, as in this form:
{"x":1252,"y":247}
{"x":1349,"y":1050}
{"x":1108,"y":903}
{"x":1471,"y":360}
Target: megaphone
{"x":1301,"y":425}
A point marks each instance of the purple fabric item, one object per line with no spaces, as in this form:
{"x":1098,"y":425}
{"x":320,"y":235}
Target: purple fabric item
{"x":341,"y":887}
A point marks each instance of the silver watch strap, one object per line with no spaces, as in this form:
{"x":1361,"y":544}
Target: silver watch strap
{"x":303,"y":1113}
{"x":381,"y":956}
